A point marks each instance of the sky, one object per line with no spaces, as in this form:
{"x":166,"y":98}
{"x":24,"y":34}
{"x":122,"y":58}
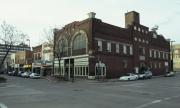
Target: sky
{"x":33,"y":16}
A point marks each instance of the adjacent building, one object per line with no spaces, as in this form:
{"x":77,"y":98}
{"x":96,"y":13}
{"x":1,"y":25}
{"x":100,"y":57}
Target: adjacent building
{"x":23,"y":61}
{"x":42,"y":59}
{"x":176,"y":57}
{"x":14,"y":49}
{"x":92,"y":48}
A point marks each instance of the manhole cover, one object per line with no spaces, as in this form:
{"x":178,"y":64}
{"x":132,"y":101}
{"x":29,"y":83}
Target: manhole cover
{"x":77,"y":90}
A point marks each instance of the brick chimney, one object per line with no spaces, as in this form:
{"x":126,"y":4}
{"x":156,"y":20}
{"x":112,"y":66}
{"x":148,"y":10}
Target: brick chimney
{"x":91,"y":15}
{"x":131,"y":18}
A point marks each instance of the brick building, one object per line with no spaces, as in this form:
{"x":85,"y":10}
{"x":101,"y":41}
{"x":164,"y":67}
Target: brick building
{"x":91,"y":47}
{"x":42,"y":59}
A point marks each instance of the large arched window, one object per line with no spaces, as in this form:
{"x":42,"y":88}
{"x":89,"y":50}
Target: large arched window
{"x":63,"y":46}
{"x":79,"y":41}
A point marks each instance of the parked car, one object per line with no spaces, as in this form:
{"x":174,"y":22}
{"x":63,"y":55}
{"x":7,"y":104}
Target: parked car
{"x":25,"y":74}
{"x":129,"y":77}
{"x":10,"y":73}
{"x":169,"y":74}
{"x":145,"y":75}
{"x":34,"y":76}
{"x":20,"y":73}
{"x":15,"y":73}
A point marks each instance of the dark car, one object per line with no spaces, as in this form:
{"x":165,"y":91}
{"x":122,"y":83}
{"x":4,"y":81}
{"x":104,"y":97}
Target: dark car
{"x":15,"y":73}
{"x":20,"y":73}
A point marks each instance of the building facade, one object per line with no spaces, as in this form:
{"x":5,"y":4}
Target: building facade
{"x":92,"y":48}
{"x":176,"y":57}
{"x":14,"y":49}
{"x":23,"y":61}
{"x":42,"y":59}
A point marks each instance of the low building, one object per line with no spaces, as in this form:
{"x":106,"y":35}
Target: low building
{"x":93,"y":48}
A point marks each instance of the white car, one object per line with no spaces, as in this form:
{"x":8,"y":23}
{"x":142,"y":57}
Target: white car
{"x":169,"y":74}
{"x":25,"y":74}
{"x":145,"y":75}
{"x":129,"y":77}
{"x":34,"y":75}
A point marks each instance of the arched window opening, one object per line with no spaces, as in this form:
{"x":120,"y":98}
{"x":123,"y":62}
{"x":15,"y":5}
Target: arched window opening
{"x":79,"y":41}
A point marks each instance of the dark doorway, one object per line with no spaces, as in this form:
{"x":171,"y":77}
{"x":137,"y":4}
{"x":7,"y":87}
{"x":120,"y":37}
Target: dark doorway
{"x":67,"y":63}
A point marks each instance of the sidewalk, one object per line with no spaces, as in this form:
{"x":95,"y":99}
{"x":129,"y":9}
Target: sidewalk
{"x":54,"y":79}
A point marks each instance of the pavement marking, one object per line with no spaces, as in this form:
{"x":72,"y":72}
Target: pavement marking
{"x":3,"y":105}
{"x":168,"y":98}
{"x":157,"y":101}
{"x":150,"y":103}
{"x":11,"y":86}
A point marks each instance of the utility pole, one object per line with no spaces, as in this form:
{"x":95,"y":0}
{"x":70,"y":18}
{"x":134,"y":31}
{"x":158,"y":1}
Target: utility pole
{"x":172,"y":54}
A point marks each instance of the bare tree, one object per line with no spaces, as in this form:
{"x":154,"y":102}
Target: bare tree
{"x":9,"y":36}
{"x":48,"y":33}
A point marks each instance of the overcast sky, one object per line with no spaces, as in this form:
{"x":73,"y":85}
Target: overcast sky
{"x":32,"y":16}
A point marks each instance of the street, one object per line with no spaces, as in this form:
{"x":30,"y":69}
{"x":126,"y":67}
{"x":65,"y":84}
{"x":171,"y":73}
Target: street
{"x":158,"y":92}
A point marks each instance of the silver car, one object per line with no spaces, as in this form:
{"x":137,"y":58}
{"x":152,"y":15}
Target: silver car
{"x":145,"y":75}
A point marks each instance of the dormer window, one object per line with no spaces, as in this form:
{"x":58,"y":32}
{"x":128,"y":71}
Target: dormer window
{"x":154,"y":35}
{"x":139,"y":29}
{"x":135,"y":39}
{"x":142,"y":30}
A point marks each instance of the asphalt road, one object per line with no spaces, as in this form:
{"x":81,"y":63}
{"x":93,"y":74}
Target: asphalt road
{"x":159,"y":92}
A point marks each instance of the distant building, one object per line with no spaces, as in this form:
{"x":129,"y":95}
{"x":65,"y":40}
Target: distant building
{"x":42,"y":59}
{"x":93,"y":48}
{"x":176,"y":57}
{"x":14,"y":49}
{"x":23,"y":60}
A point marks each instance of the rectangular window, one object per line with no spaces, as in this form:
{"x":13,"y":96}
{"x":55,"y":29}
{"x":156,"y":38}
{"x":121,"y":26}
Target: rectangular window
{"x":142,"y":51}
{"x":128,"y":49}
{"x":159,"y":65}
{"x":131,"y":50}
{"x":167,"y":56}
{"x":109,"y":47}
{"x":155,"y":65}
{"x":117,"y":48}
{"x":125,"y":64}
{"x":154,"y":54}
{"x":151,"y":65}
{"x":163,"y":55}
{"x":124,"y":49}
{"x":99,"y":45}
{"x":159,"y":54}
{"x":150,"y":53}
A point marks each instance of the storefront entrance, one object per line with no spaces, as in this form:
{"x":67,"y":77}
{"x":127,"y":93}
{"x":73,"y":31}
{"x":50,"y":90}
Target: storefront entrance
{"x":69,"y":69}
